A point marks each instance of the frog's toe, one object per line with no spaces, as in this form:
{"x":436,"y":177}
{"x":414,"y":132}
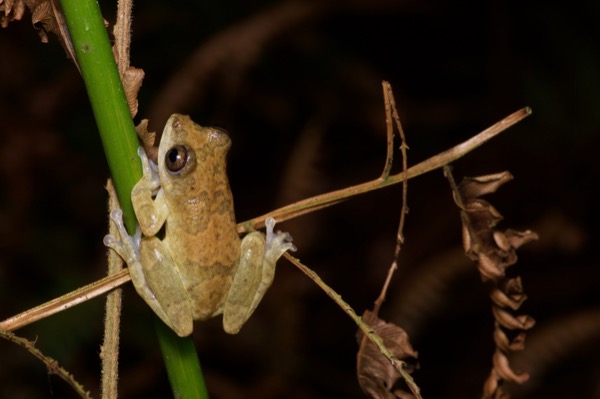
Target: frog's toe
{"x":120,"y":247}
{"x":111,"y":242}
{"x":149,"y":168}
{"x":277,"y":242}
{"x":144,"y":158}
{"x":282,"y":239}
{"x":116,"y":215}
{"x":125,"y":245}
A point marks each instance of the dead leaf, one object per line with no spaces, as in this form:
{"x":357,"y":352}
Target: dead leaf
{"x":46,"y":17}
{"x":376,"y":375}
{"x":504,"y":370}
{"x":12,"y":11}
{"x":132,"y":81}
{"x":474,"y":187}
{"x":148,"y":140}
{"x":494,"y":251}
{"x":507,"y":299}
{"x":512,"y":322}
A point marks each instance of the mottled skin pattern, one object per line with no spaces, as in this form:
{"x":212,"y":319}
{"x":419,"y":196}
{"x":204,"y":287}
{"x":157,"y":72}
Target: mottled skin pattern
{"x":201,"y":231}
{"x":199,"y":268}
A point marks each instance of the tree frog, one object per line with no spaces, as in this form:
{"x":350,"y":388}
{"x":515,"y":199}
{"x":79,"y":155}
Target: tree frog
{"x":190,"y":263}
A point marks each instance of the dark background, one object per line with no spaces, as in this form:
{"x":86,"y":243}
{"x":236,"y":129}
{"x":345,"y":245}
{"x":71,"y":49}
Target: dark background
{"x":298,"y":86}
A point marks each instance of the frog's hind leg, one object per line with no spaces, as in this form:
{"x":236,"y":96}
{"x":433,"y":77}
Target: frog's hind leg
{"x":160,"y":286}
{"x":254,"y":275}
{"x":157,"y":283}
{"x":244,"y":296}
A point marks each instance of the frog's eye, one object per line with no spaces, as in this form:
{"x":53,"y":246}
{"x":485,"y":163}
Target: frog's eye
{"x":176,"y":158}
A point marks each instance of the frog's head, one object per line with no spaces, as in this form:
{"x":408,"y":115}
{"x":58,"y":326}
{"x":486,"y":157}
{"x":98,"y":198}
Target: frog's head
{"x":186,"y":146}
{"x":192,"y":161}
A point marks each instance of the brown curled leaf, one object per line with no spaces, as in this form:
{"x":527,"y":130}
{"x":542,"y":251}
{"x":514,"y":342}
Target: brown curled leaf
{"x":514,"y":286}
{"x":495,"y":251}
{"x":491,"y":384}
{"x":519,"y":238}
{"x":506,"y":344}
{"x":148,"y":140}
{"x":502,"y":241}
{"x":489,"y":267}
{"x":522,"y":322}
{"x":518,"y":342}
{"x":506,"y":258}
{"x":503,"y":300}
{"x":504,"y":371}
{"x":132,"y":82}
{"x":376,"y":375}
{"x":474,"y":187}
{"x":483,"y":216}
{"x":12,"y":10}
{"x":46,"y":17}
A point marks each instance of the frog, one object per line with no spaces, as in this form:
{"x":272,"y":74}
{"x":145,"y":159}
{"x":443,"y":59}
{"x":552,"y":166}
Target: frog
{"x":186,"y":259}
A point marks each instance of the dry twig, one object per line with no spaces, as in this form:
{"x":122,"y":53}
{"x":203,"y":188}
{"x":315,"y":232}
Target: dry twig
{"x":379,"y":378}
{"x":290,"y":211}
{"x":109,"y":352}
{"x":396,"y":363}
{"x":130,"y":77}
{"x":51,"y":364}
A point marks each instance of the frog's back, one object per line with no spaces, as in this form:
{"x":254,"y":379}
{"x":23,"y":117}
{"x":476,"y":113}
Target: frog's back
{"x":200,"y":230}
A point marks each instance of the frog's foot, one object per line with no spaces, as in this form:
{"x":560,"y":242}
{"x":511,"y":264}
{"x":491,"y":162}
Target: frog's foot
{"x":150,"y":170}
{"x":277,"y":243}
{"x":128,"y":247}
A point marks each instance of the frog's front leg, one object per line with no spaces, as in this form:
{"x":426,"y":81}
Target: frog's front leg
{"x":254,"y":274}
{"x":147,"y":197}
{"x":157,"y":281}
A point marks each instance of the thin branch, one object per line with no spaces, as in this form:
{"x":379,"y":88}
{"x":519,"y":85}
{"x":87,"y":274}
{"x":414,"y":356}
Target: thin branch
{"x":130,"y":77}
{"x":287,"y":212}
{"x":403,"y":150}
{"x":392,"y":112}
{"x":458,"y":199}
{"x":122,"y":32}
{"x":368,"y":331}
{"x":66,"y":301}
{"x":109,"y":352}
{"x":437,"y":161}
{"x":389,"y":128}
{"x":51,"y":364}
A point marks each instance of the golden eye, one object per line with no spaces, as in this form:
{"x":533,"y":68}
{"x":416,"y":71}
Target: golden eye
{"x":176,"y":158}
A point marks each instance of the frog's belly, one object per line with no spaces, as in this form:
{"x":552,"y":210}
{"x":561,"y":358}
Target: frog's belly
{"x":207,"y":288}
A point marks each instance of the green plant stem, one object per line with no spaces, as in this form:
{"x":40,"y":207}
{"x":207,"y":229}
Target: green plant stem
{"x":105,"y":91}
{"x":107,"y":97}
{"x":185,"y":384}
